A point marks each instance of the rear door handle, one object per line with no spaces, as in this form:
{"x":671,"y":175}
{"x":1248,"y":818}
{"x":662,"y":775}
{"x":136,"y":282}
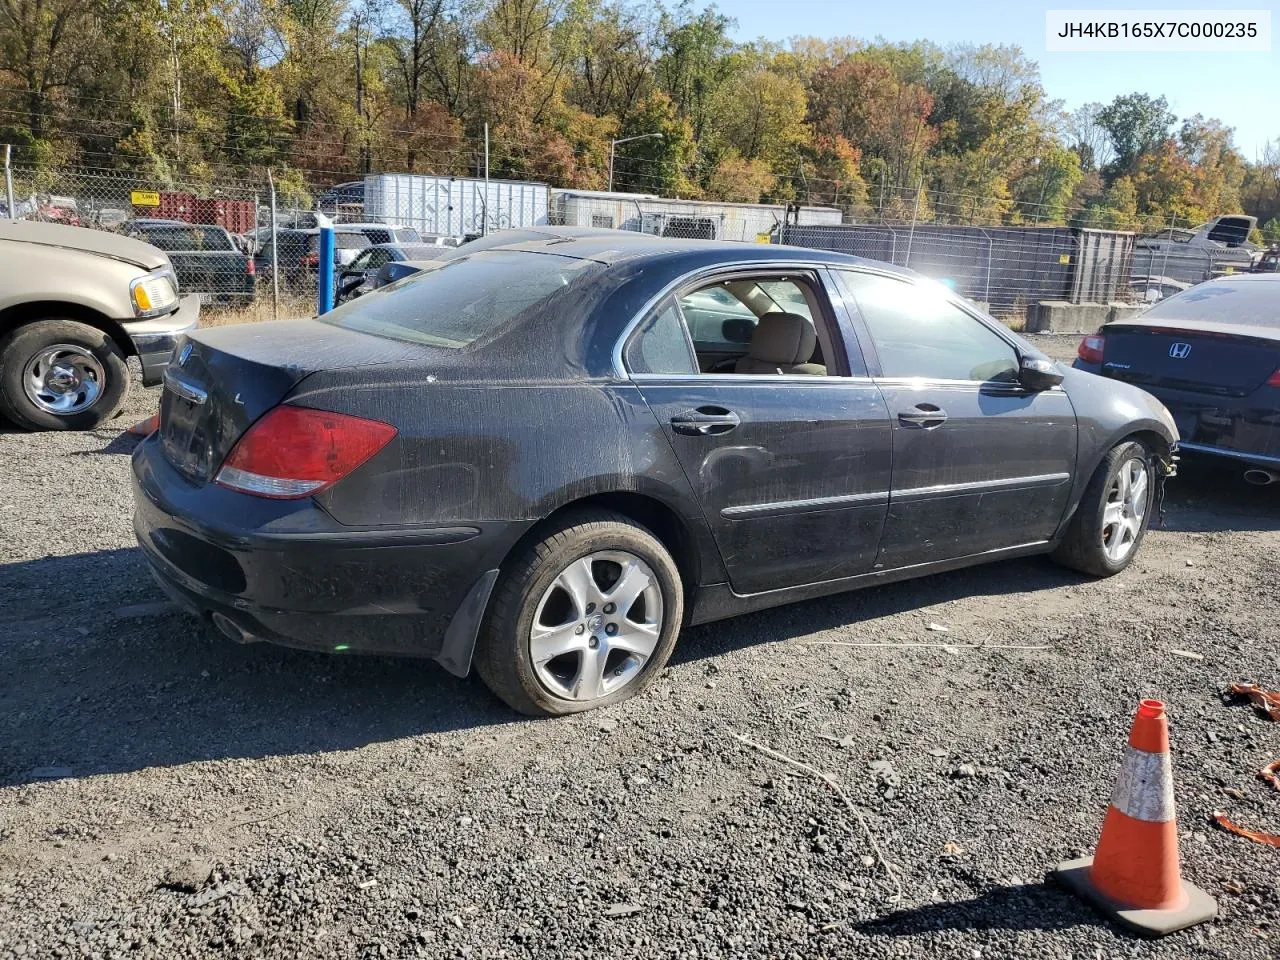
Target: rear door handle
{"x":705,"y":421}
{"x":925,"y":415}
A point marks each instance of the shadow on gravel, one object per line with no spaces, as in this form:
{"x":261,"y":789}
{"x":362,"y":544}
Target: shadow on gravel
{"x":121,"y":444}
{"x":810,"y":616}
{"x":1209,"y":495}
{"x":1033,"y":906}
{"x":99,"y":678}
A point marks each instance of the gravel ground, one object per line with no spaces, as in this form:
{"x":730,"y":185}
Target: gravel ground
{"x":164,"y":793}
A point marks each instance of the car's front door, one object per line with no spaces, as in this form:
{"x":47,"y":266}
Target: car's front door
{"x":792,"y":470}
{"x":980,"y":463}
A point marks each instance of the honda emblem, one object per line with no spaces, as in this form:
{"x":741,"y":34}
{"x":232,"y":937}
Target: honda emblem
{"x":1179,"y":351}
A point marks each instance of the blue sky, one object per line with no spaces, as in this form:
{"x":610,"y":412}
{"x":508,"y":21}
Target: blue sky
{"x":1241,"y":89}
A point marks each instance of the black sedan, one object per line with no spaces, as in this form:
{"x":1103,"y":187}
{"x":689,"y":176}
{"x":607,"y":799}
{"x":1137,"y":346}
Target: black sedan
{"x":1212,"y":355}
{"x":523,"y":458}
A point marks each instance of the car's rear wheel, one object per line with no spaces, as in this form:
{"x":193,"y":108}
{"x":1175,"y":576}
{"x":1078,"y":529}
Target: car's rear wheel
{"x":584,"y":617}
{"x":1111,"y":521}
{"x":60,"y":375}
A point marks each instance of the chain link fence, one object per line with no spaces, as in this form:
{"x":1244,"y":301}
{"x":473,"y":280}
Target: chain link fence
{"x":250,"y":250}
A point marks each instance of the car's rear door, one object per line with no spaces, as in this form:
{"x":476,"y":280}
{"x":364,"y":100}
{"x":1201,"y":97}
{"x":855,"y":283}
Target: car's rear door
{"x":792,"y":471}
{"x":979,"y":462}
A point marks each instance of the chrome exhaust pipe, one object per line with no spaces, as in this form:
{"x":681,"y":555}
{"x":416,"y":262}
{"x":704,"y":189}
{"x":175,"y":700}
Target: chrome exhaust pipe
{"x":1260,"y":477}
{"x":233,"y":630}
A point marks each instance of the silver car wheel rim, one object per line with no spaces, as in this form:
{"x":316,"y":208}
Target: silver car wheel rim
{"x":1125,"y":507}
{"x":64,"y":379}
{"x":597,"y":625}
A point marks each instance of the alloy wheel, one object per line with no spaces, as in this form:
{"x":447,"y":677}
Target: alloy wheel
{"x":596,"y":626}
{"x":1124,"y":510}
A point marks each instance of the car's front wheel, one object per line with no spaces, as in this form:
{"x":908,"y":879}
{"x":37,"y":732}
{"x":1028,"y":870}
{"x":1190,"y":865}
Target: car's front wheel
{"x":1111,"y":520}
{"x":584,"y":617}
{"x":60,"y":375}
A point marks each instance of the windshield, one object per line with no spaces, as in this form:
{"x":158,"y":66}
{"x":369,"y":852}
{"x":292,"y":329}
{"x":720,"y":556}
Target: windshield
{"x":177,"y":239}
{"x":459,"y":301}
{"x":1252,"y":303}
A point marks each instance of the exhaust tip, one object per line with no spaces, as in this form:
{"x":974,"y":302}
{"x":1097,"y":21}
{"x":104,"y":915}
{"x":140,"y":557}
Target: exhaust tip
{"x":1261,"y":478}
{"x":233,"y":631}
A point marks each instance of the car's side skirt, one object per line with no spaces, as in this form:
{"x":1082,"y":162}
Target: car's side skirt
{"x":718,"y":601}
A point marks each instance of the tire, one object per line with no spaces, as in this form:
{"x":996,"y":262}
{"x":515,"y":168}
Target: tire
{"x":1102,"y":540}
{"x":531,"y":591}
{"x":93,"y":373}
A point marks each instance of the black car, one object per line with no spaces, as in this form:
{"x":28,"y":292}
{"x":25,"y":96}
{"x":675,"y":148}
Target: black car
{"x":299,"y":254}
{"x":1212,"y":355}
{"x":205,"y":258}
{"x":365,"y":272}
{"x":521,"y":459}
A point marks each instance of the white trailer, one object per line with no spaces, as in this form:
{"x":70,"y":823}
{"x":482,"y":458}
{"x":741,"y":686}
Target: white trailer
{"x":454,"y":206}
{"x":699,"y":219}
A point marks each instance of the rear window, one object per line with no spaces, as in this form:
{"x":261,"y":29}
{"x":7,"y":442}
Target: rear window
{"x":407,"y":235}
{"x":1253,"y":303}
{"x":460,"y":301}
{"x":186,"y":239}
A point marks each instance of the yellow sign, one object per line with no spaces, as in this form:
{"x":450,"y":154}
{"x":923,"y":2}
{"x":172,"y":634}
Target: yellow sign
{"x":762,"y":238}
{"x":1064,"y":258}
{"x":1230,"y":270}
{"x":144,"y":198}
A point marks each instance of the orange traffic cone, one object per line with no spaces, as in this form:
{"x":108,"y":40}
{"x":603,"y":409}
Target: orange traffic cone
{"x":1134,"y":877}
{"x":146,"y":427}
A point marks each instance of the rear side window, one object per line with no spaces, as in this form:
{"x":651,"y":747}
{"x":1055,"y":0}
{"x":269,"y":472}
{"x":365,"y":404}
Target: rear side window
{"x":1252,"y":303}
{"x":660,"y":346}
{"x":918,"y":332}
{"x":457,"y":302}
{"x":350,"y":241}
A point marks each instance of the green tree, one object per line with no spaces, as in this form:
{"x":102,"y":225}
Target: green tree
{"x":1137,"y":124}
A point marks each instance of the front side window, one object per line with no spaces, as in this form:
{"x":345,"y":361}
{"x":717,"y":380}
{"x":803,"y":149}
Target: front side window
{"x":918,"y":332}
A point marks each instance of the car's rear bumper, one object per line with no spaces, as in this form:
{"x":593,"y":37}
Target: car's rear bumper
{"x":286,"y":572}
{"x":154,"y":340}
{"x":1242,"y":428}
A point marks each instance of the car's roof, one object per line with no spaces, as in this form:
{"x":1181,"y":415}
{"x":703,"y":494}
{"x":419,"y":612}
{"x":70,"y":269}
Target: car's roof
{"x":616,"y":246}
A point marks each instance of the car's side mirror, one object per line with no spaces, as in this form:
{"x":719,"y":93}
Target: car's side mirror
{"x":1037,"y":374}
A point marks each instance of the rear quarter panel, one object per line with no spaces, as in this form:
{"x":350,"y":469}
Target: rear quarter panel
{"x":513,"y":451}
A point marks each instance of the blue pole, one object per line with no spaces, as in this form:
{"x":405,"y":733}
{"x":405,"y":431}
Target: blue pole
{"x":326,"y":270}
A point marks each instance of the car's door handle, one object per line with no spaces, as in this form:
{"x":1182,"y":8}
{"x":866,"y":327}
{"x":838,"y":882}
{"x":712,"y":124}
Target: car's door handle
{"x":925,"y":415}
{"x":705,"y":421}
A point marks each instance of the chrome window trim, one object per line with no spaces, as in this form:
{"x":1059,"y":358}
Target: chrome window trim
{"x":620,"y":369}
{"x":748,"y":378}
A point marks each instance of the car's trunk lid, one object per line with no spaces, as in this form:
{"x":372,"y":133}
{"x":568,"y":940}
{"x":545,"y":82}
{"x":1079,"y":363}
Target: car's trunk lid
{"x":223,"y":379}
{"x":1218,"y":362}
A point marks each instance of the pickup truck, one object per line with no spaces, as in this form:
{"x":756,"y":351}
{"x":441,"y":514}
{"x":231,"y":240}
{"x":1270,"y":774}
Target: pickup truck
{"x":204,"y":257}
{"x":74,"y":304}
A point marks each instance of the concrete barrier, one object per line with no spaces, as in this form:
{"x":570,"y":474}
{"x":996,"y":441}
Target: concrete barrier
{"x":1059,"y":316}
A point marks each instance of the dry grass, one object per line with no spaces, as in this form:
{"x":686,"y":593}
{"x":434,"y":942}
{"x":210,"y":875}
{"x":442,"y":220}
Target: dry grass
{"x":218,"y":315}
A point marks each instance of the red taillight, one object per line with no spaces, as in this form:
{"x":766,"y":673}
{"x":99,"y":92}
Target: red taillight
{"x":1274,"y":379}
{"x":311,"y":260}
{"x":1091,"y":348}
{"x":296,"y":452}
{"x":250,"y":269}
